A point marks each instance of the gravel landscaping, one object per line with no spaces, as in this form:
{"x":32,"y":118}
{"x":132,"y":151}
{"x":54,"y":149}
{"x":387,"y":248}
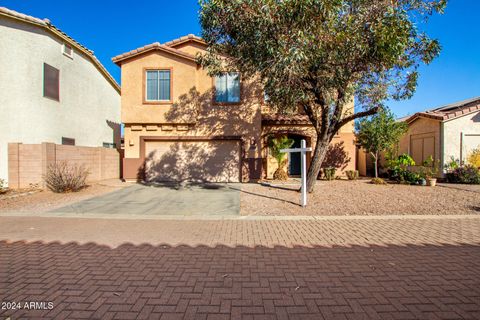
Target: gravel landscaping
{"x":343,"y":197}
{"x":37,"y":201}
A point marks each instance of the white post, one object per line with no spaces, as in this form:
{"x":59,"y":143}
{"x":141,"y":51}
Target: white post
{"x":303,"y":167}
{"x":304,"y":172}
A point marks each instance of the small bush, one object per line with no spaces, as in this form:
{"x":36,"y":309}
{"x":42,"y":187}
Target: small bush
{"x":352,"y":174}
{"x":466,"y":174}
{"x":399,"y":169}
{"x":474,"y":158}
{"x":62,"y":177}
{"x":378,"y":181}
{"x":329,"y":173}
{"x":3,"y":188}
{"x":452,"y":164}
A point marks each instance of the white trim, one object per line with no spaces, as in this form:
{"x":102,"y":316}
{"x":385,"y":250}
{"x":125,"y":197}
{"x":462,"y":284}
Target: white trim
{"x":158,"y":85}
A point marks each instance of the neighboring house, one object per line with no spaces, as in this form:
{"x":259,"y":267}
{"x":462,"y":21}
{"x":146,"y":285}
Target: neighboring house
{"x":181,"y":124}
{"x":449,"y":131}
{"x":52,"y":89}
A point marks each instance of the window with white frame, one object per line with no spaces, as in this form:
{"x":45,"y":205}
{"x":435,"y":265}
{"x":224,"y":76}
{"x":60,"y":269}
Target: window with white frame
{"x":227,"y":88}
{"x":158,"y":86}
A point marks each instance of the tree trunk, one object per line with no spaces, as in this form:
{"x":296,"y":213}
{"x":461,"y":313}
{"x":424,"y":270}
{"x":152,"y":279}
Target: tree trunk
{"x":375,"y":158}
{"x":321,"y":148}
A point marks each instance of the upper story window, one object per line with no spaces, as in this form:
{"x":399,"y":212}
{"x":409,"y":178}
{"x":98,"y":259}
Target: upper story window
{"x":51,"y":82}
{"x":67,"y":50}
{"x":227,"y":88}
{"x":158,"y":86}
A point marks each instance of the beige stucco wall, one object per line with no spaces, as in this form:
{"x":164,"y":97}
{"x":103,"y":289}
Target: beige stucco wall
{"x":422,"y":127}
{"x":469,"y":125}
{"x":87,"y":100}
{"x":191,"y":113}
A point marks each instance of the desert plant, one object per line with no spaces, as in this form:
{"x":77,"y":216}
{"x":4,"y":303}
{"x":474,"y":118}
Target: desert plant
{"x":275,"y":145}
{"x":474,"y":157}
{"x":3,"y":187}
{"x":430,"y":167}
{"x":377,"y":181}
{"x":63,"y":177}
{"x":398,"y":169}
{"x":352,"y":174}
{"x":465,"y":174}
{"x":329,"y":173}
{"x":452,"y":164}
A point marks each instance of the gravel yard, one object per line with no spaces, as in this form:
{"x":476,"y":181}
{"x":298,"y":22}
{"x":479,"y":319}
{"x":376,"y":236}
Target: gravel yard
{"x":343,"y":197}
{"x":36,"y":201}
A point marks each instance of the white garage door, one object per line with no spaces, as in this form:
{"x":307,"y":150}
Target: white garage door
{"x":206,"y":161}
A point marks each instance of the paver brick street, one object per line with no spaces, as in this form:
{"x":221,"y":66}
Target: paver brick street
{"x":386,"y":268}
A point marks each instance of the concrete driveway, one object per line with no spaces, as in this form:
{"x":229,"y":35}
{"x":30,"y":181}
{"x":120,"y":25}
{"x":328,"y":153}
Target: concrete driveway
{"x":162,"y":199}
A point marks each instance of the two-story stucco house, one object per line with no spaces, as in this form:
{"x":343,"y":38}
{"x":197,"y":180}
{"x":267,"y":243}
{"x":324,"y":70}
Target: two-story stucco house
{"x":181,"y":124}
{"x":446,"y":132}
{"x":52,"y":89}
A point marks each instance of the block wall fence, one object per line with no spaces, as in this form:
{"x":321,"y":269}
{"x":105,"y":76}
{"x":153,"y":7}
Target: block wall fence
{"x":28,"y":163}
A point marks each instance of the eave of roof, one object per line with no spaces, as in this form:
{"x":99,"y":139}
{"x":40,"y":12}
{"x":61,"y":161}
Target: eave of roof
{"x":448,"y":112}
{"x":46,"y":24}
{"x":152,"y":47}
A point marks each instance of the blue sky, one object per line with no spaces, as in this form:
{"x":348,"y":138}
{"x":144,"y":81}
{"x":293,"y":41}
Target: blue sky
{"x":110,"y":28}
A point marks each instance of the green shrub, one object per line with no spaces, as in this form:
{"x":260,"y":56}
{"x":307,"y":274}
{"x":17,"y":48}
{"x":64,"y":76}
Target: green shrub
{"x":3,"y":187}
{"x":62,"y":177}
{"x":352,"y":174}
{"x":465,"y":174}
{"x":329,"y":173}
{"x":398,"y":170}
{"x":378,"y":181}
{"x":452,"y":164}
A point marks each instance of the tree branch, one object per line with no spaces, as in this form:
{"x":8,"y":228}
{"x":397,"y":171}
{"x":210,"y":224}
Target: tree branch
{"x":357,"y":115}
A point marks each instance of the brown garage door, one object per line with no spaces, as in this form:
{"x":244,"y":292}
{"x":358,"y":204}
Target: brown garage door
{"x":210,"y":161}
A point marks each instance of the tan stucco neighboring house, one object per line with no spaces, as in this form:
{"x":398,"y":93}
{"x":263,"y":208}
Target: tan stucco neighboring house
{"x":182,"y":124}
{"x":449,"y":131}
{"x":52,"y":88}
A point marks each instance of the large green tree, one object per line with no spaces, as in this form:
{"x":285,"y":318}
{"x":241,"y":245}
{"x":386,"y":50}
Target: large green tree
{"x":379,"y":133}
{"x":319,"y":54}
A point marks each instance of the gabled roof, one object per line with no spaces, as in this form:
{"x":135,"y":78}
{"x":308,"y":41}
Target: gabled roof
{"x":152,"y":47}
{"x":168,"y":47}
{"x":449,"y":111}
{"x":47,"y":25}
{"x":187,"y":38}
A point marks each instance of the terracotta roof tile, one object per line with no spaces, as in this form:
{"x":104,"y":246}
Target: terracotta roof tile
{"x":150,"y":47}
{"x":184,"y":39}
{"x":46,"y":23}
{"x":448,"y":112}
